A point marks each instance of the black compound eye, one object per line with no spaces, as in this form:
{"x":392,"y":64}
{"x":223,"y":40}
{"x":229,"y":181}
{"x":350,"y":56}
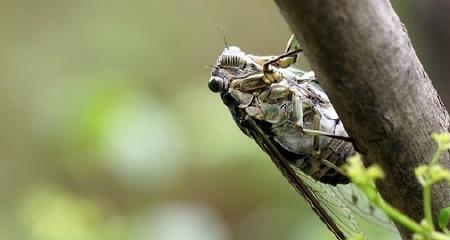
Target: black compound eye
{"x":215,"y":84}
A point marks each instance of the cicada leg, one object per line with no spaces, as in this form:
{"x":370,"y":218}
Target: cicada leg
{"x":315,"y":164}
{"x":333,"y":166}
{"x":290,"y":55}
{"x":292,"y":44}
{"x":317,"y":161}
{"x":316,"y":138}
{"x":283,"y":61}
{"x":249,"y":83}
{"x":298,"y":116}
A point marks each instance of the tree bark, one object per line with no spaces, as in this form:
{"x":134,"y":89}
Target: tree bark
{"x":364,"y":59}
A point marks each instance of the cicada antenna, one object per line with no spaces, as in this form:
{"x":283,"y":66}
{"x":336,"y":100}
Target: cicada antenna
{"x":224,"y":38}
{"x":210,"y":66}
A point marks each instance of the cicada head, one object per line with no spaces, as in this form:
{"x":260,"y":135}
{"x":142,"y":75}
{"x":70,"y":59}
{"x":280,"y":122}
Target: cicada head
{"x":232,"y":64}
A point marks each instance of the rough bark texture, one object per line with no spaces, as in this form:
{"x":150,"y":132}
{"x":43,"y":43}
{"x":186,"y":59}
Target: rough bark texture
{"x":363,"y":57}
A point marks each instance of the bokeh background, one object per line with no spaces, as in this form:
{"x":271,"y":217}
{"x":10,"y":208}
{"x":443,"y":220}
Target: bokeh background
{"x":108,"y":129}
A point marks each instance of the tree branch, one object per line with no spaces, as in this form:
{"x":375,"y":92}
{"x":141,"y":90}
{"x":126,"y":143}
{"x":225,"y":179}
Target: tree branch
{"x":364,"y":59}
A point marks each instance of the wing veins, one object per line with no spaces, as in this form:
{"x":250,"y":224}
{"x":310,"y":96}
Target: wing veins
{"x":283,"y":165}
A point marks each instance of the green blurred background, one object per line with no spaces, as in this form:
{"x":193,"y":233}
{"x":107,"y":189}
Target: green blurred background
{"x":110,"y":132}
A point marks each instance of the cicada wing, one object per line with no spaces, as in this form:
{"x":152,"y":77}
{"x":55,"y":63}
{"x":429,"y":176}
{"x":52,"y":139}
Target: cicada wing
{"x":360,"y":207}
{"x":332,"y":202}
{"x":334,"y":215}
{"x":350,"y":208}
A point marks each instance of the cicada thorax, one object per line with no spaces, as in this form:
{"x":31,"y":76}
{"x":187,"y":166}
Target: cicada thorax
{"x":232,"y":61}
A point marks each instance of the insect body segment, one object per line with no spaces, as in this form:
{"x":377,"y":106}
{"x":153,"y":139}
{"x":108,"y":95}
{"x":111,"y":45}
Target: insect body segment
{"x":232,"y":61}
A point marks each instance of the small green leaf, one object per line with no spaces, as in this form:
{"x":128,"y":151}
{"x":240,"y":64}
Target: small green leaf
{"x":443,"y":140}
{"x":420,"y":172}
{"x":438,"y":173}
{"x":375,"y":172}
{"x":443,"y":218}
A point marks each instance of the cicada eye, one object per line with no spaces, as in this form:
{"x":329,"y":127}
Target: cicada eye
{"x":215,"y":84}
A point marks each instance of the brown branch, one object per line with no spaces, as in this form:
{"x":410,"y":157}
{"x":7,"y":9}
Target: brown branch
{"x":363,"y":57}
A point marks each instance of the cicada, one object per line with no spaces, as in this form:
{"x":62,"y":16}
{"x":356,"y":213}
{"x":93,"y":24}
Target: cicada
{"x":291,"y":118}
